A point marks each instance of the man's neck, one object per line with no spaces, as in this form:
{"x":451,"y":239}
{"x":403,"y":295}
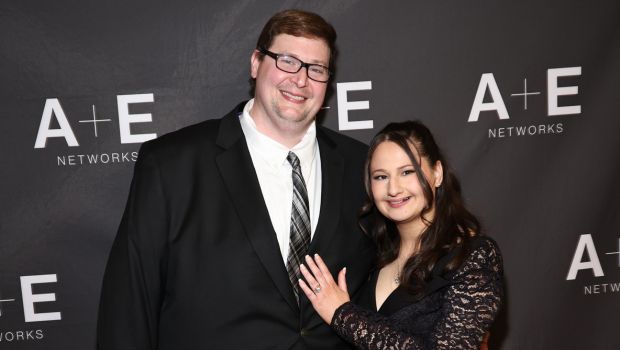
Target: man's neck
{"x":287,"y":134}
{"x":288,"y":138}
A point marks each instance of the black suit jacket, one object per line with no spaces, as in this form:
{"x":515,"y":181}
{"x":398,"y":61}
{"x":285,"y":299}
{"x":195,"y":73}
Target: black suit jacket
{"x":196,"y":263}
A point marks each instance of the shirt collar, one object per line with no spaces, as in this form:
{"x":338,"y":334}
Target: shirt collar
{"x":274,"y":152}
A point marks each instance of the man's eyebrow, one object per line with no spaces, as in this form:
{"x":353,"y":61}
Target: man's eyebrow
{"x":311,"y":61}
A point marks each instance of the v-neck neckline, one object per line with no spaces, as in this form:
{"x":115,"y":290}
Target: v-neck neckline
{"x":391,"y":299}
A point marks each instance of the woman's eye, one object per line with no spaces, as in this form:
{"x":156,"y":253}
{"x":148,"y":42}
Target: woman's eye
{"x":408,"y":171}
{"x":379,"y":177}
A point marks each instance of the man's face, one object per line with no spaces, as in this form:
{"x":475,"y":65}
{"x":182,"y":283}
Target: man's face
{"x":285,"y":102}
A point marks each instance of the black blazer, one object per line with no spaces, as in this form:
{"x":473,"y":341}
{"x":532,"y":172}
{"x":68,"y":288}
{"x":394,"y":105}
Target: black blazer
{"x":196,"y":263}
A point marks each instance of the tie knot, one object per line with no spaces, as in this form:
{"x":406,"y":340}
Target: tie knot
{"x":292,"y":158}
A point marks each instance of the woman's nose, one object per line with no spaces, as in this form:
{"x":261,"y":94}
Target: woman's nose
{"x":394,"y":187}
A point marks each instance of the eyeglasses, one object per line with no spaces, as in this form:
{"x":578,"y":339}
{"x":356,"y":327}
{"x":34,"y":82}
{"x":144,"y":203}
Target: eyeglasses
{"x":292,"y":64}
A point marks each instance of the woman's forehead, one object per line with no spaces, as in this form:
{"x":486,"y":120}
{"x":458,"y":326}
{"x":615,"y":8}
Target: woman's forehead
{"x":390,"y":153}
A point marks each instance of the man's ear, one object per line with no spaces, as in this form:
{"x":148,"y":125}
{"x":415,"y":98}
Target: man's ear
{"x":255,"y":61}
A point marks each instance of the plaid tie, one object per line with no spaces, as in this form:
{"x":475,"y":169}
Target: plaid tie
{"x":300,"y":225}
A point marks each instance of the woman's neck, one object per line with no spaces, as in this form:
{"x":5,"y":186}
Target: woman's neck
{"x":410,"y":233}
{"x":409,"y":242}
{"x":410,"y":238}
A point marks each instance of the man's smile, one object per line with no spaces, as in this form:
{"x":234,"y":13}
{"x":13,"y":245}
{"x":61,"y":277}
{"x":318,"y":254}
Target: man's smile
{"x":292,"y":97}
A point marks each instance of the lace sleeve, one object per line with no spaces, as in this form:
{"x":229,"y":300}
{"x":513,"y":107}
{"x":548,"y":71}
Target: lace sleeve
{"x":370,"y":330}
{"x":469,"y":308}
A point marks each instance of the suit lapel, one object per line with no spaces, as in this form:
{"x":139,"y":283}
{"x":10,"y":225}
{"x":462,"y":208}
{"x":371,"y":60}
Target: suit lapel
{"x":332,"y":170}
{"x":332,"y":177}
{"x":238,"y":173}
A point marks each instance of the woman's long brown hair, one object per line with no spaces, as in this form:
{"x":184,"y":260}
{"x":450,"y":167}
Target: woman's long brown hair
{"x":452,"y":226}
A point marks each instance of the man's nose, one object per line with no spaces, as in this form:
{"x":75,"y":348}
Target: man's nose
{"x":301,"y":77}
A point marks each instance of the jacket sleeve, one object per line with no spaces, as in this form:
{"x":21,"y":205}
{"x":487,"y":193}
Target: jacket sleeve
{"x":134,"y":279}
{"x":470,"y":306}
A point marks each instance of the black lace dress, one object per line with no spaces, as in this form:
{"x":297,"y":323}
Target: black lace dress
{"x":457,"y":310}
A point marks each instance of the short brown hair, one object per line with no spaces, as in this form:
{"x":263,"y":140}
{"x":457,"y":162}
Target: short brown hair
{"x":299,"y":23}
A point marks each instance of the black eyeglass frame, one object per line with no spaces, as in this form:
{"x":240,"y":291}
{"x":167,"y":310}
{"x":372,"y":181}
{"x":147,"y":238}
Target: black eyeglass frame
{"x":275,"y":57}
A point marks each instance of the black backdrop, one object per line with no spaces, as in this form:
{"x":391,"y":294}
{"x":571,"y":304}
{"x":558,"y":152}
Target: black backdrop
{"x":541,"y":173}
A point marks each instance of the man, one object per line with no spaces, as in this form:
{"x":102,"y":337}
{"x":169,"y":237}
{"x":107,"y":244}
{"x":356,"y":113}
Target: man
{"x":220,"y":214}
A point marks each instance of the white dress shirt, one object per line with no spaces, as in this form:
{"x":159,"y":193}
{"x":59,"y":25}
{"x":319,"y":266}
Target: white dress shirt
{"x":275,"y":175}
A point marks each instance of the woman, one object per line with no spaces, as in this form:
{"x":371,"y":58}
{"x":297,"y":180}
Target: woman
{"x":438,"y":283}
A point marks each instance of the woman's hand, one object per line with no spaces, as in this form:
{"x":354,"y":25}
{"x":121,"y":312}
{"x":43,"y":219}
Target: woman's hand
{"x":324,"y":294}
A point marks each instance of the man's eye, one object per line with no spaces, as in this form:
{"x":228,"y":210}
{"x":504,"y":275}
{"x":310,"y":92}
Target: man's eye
{"x":318,"y":70}
{"x":289,"y":61}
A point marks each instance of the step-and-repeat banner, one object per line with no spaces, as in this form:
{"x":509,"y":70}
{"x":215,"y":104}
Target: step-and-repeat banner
{"x":524,"y":96}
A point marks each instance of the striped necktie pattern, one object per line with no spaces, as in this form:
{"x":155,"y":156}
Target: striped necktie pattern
{"x":300,"y":225}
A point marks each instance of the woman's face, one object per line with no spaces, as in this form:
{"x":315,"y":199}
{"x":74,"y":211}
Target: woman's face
{"x":396,"y":191}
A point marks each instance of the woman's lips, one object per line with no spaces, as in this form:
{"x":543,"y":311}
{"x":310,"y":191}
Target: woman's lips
{"x":397,"y":203}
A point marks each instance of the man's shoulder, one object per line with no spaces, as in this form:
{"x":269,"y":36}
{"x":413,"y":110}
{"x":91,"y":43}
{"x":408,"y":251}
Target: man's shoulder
{"x":201,"y":137}
{"x":189,"y":139}
{"x":341,"y":141}
{"x":189,"y":135}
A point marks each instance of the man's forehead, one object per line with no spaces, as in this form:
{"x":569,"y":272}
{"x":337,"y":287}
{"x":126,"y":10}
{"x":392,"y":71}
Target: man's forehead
{"x":308,"y":49}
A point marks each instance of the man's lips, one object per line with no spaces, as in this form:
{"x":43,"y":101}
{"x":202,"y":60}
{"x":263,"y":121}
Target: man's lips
{"x":293,"y":97}
{"x":399,"y":202}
